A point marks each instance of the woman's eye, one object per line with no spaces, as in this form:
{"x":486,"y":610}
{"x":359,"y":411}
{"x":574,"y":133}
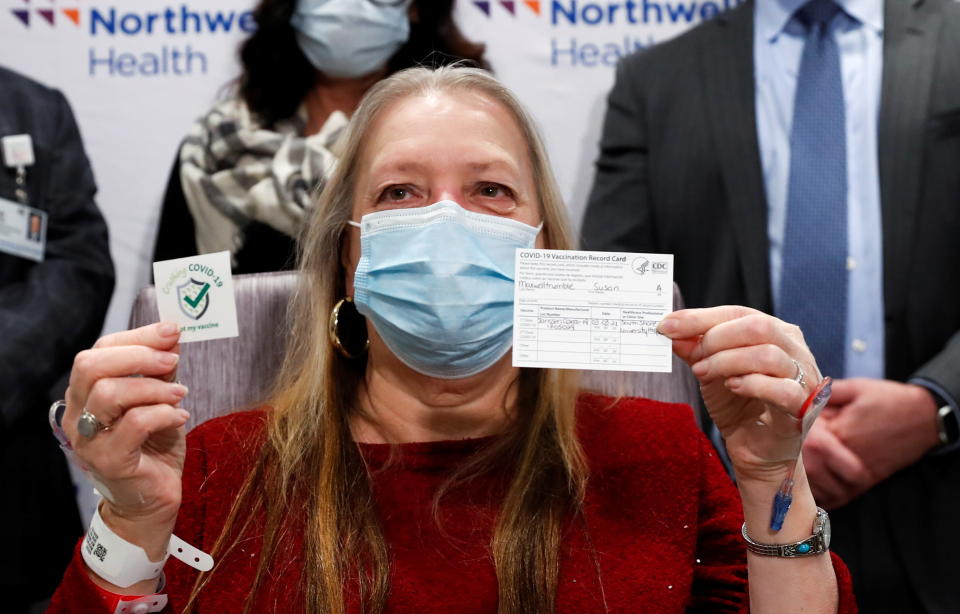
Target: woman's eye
{"x":495,"y":190}
{"x":395,"y":194}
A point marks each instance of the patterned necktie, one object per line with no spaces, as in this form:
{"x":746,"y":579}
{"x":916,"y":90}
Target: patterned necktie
{"x":813,"y":287}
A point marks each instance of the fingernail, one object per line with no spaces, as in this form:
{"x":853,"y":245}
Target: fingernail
{"x":183,"y":414}
{"x":168,"y":359}
{"x":180,"y":391}
{"x":733,"y":382}
{"x":700,"y":369}
{"x":667,"y":326}
{"x":168,"y":329}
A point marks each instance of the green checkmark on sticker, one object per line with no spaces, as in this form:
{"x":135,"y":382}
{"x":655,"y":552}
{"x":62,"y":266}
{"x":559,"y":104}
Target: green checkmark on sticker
{"x":193,"y":302}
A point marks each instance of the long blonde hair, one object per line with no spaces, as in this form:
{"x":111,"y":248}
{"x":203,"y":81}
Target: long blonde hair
{"x":309,"y":464}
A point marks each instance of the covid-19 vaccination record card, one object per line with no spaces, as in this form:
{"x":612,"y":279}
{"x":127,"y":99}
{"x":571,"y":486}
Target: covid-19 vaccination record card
{"x":592,"y":310}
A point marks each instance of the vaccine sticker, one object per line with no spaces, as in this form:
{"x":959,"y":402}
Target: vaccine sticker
{"x":23,"y":230}
{"x":17,"y":150}
{"x":197,"y":293}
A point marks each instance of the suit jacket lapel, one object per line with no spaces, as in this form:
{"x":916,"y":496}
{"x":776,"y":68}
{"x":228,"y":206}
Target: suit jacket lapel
{"x":728,"y":77}
{"x":909,"y":56}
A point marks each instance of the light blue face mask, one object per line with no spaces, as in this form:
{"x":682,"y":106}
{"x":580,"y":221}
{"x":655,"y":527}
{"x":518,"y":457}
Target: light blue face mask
{"x":349,"y":38}
{"x":437,"y":283}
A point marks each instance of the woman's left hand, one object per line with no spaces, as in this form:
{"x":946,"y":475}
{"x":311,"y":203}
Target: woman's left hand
{"x":747,"y":365}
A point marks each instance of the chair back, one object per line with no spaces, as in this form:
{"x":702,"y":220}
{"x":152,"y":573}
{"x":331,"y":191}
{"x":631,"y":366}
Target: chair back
{"x":226,"y":375}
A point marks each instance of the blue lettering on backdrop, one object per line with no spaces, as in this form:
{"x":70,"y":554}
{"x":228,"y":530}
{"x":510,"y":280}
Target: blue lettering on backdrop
{"x":169,"y":21}
{"x":589,"y":55}
{"x":168,"y":61}
{"x":593,"y":13}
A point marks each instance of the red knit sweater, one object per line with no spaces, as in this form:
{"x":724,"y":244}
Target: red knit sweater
{"x":663,"y":521}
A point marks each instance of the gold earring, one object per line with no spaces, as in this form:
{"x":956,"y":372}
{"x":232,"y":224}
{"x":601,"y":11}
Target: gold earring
{"x":336,"y":320}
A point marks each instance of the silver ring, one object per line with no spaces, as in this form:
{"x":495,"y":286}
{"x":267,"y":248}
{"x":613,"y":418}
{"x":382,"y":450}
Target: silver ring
{"x":88,"y":426}
{"x":800,"y":377}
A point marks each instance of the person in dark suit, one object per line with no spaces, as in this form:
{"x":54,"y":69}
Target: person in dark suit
{"x":49,"y":311}
{"x":802,"y":158}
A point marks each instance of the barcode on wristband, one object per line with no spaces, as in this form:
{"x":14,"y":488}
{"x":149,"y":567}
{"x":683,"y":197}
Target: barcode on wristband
{"x":92,"y":539}
{"x":94,"y":548}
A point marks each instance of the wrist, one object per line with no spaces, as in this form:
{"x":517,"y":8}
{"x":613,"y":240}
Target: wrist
{"x":126,"y":562}
{"x":151,"y":532}
{"x":116,"y":564}
{"x":926,"y":406}
{"x":947,"y":420}
{"x":796,"y":524}
{"x":757,"y":496}
{"x":761,"y":476}
{"x":818,"y":542}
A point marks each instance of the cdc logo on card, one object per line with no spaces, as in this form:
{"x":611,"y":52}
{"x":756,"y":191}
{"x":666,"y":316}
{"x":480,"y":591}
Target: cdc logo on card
{"x":640,"y":266}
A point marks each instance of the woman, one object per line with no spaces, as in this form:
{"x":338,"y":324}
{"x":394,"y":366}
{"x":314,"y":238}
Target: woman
{"x":405,"y":465}
{"x":247,"y":171}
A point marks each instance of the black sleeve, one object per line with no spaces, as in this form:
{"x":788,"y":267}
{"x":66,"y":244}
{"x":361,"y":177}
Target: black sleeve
{"x":618,"y":214}
{"x":942,"y":369}
{"x":57,"y":307}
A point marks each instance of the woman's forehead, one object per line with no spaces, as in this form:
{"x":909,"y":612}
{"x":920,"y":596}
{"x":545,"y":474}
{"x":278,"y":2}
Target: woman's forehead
{"x":481,"y":130}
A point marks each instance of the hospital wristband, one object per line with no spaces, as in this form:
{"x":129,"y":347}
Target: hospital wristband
{"x":131,"y":604}
{"x":124,"y":564}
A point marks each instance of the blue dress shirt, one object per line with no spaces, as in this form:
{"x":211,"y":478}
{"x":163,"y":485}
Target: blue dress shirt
{"x":778,"y":47}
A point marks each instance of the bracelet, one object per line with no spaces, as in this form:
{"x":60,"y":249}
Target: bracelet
{"x":124,"y":564}
{"x":818,"y":543}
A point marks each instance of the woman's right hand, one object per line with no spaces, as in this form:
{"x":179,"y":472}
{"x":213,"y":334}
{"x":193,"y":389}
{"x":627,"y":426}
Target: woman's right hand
{"x":139,"y":461}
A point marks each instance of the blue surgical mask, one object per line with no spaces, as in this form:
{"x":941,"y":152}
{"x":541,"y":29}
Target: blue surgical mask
{"x":437,"y":284}
{"x":349,"y":38}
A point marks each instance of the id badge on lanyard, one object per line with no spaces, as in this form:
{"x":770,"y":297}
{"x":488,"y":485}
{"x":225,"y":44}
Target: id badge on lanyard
{"x":23,"y":229}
